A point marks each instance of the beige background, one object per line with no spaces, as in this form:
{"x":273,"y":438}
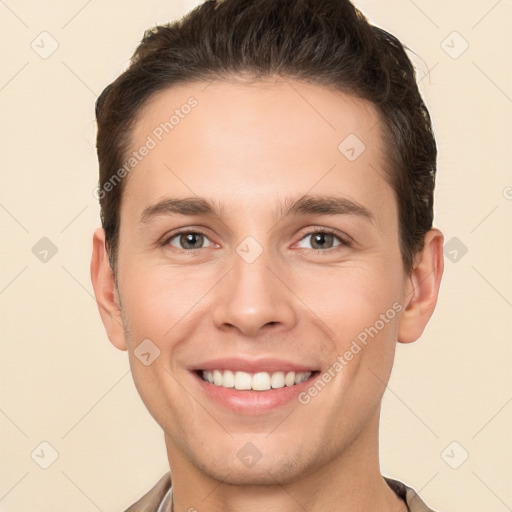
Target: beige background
{"x":63,"y":383}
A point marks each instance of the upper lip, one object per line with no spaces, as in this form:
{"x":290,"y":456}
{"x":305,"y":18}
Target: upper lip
{"x":253,"y":365}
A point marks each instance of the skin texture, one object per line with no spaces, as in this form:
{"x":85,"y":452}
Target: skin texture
{"x":247,"y":148}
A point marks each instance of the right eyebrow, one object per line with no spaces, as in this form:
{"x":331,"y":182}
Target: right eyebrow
{"x":185,"y":206}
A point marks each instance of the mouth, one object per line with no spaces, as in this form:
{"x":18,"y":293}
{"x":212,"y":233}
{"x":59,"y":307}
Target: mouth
{"x":252,"y":385}
{"x":254,"y":392}
{"x":257,"y":381}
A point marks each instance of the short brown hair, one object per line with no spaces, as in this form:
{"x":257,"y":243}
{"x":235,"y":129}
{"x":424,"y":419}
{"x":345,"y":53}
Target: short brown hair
{"x":324,"y":42}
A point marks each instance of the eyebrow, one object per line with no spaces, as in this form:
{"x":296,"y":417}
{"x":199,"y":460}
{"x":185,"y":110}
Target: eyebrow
{"x":306,"y":205}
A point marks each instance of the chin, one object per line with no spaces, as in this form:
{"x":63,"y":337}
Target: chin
{"x":270,"y":468}
{"x":261,"y":474}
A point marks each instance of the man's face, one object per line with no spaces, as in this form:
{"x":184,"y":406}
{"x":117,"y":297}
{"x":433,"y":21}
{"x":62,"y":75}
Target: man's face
{"x":244,"y":290}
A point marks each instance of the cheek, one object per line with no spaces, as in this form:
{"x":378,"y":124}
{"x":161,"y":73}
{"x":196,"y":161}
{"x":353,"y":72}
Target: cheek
{"x":361,"y":308}
{"x":155,"y":376}
{"x":157,"y":299}
{"x":351,"y":297}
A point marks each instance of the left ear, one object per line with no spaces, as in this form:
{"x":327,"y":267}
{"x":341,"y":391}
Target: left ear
{"x":422,"y":288}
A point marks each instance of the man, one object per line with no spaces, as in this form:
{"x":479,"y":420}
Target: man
{"x":266,"y":183}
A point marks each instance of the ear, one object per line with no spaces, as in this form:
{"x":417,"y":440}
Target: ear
{"x":422,"y":288}
{"x":105,"y":290}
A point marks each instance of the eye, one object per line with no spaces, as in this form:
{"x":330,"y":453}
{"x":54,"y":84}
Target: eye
{"x":322,"y":239}
{"x":188,"y":240}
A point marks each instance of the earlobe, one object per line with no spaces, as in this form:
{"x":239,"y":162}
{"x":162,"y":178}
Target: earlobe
{"x":422,"y":288}
{"x":106,"y":292}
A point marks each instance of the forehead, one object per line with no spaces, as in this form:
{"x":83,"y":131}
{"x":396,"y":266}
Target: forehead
{"x":256,"y":141}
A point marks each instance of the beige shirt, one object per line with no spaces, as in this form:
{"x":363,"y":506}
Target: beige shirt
{"x":159,"y":498}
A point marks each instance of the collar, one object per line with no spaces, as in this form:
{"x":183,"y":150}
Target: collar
{"x":161,"y":496}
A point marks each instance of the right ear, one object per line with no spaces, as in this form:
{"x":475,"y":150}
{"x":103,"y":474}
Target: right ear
{"x":105,"y":290}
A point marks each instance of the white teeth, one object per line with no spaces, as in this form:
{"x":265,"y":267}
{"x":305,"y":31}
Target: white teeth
{"x":242,"y":380}
{"x":228,"y":379}
{"x":289,"y":380}
{"x":260,"y":381}
{"x":217,"y":377}
{"x":277,"y":380}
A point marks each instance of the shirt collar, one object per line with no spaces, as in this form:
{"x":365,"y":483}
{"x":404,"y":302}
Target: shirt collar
{"x":410,"y":496}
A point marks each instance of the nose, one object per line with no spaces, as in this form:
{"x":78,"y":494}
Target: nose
{"x":254,"y":297}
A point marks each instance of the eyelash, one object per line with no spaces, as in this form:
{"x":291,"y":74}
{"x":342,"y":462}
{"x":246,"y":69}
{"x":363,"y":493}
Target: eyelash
{"x":344,"y":242}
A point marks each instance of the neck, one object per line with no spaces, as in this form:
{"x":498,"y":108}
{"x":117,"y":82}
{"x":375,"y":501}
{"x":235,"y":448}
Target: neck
{"x":348,"y":481}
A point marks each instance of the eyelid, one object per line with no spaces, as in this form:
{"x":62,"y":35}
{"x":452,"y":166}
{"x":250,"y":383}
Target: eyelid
{"x":345,"y":240}
{"x":165,"y":240}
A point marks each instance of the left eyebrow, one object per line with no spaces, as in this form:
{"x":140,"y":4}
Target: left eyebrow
{"x":326,"y":205}
{"x":305,"y":205}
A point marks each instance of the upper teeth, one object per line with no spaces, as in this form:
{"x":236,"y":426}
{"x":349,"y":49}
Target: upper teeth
{"x":261,"y":381}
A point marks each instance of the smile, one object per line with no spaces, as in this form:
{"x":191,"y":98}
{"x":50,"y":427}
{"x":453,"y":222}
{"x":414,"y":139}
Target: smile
{"x":252,"y":385}
{"x":259,"y":381}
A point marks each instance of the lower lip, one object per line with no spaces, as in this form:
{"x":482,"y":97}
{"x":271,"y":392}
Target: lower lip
{"x":250,"y":401}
